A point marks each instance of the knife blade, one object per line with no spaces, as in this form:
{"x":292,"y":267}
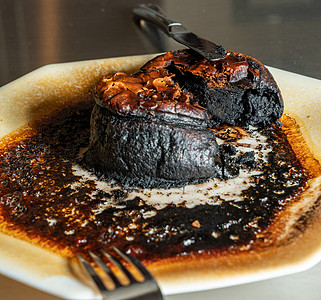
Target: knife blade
{"x":179,"y":33}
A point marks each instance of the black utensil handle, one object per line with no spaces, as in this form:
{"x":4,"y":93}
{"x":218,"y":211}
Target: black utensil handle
{"x":153,"y":14}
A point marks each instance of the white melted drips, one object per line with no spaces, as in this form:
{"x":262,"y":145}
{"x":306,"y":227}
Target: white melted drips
{"x":212,"y":192}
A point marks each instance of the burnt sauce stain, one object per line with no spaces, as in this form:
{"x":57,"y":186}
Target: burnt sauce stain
{"x":37,"y":198}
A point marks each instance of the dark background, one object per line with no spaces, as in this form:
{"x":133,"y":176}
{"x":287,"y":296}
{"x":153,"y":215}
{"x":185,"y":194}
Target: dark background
{"x":33,"y":33}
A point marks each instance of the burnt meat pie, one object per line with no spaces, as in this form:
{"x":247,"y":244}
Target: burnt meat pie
{"x":152,"y":128}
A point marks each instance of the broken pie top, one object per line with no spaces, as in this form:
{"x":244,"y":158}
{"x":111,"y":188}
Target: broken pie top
{"x":238,"y":90}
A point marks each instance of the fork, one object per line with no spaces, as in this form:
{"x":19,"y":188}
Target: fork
{"x":145,"y":289}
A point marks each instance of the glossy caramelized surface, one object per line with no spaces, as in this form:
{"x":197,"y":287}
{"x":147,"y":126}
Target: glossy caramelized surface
{"x":184,"y":84}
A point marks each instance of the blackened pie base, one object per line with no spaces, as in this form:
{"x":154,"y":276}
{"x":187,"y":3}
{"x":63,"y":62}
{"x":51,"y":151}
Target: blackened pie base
{"x":150,"y":154}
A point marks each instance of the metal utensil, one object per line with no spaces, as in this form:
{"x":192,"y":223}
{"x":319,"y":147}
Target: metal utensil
{"x":179,"y":33}
{"x":145,"y":289}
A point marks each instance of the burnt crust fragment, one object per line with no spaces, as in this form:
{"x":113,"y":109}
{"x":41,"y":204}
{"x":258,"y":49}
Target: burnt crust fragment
{"x":152,"y":128}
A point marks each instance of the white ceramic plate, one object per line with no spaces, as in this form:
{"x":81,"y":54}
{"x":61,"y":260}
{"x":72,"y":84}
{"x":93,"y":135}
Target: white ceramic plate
{"x":47,"y":88}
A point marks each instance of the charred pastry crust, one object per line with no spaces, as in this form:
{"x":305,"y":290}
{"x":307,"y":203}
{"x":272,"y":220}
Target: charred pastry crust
{"x":238,"y":90}
{"x":152,"y":128}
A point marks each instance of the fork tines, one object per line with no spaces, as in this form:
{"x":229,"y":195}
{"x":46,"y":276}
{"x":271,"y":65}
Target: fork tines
{"x":121,"y":281}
